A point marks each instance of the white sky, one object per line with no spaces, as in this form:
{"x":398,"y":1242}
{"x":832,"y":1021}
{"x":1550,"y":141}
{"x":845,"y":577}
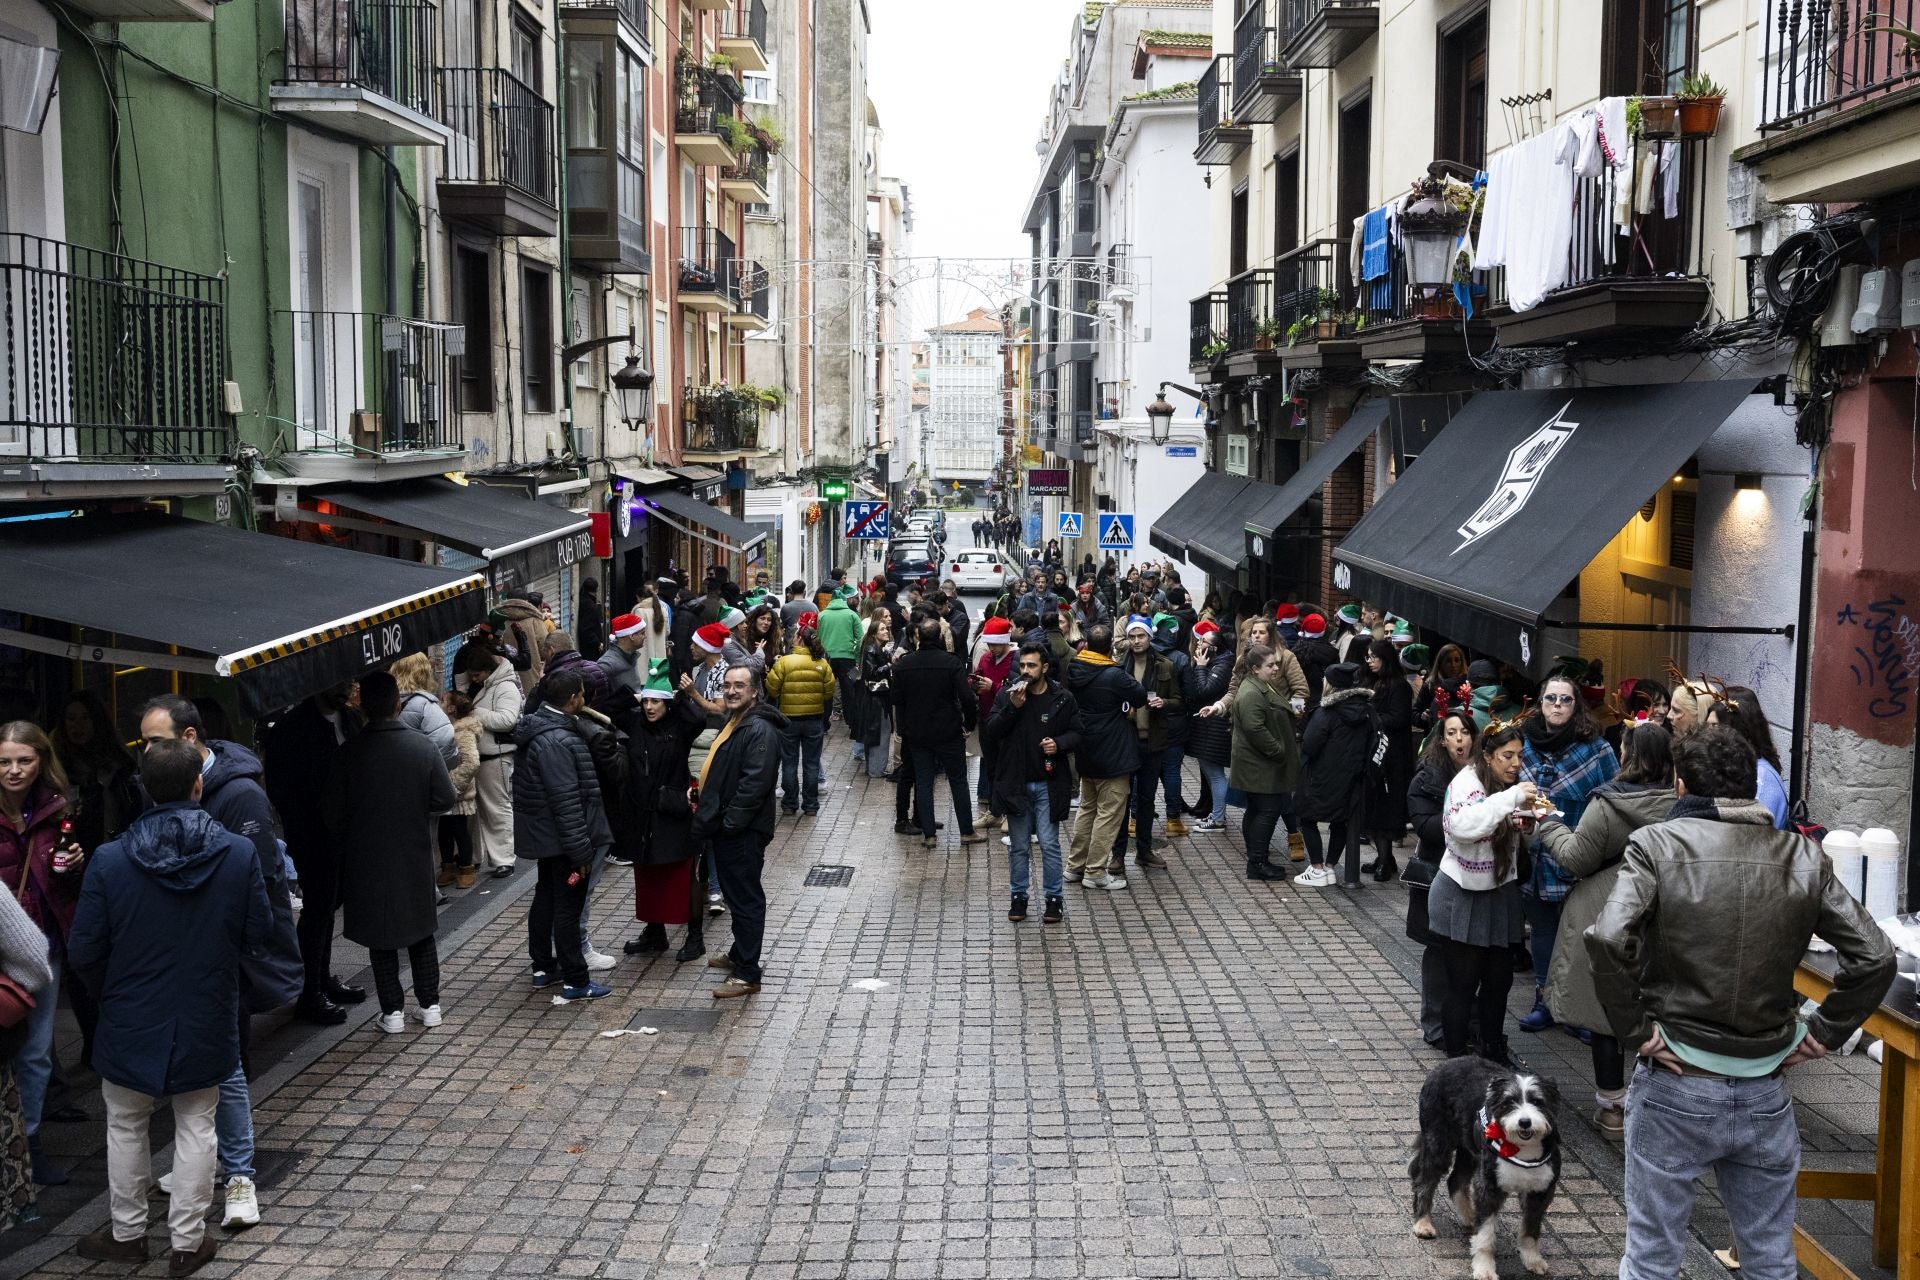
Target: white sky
{"x":961,"y":91}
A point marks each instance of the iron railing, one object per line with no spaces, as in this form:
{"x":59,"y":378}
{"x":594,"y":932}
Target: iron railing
{"x":707,"y":262}
{"x":1249,"y":307}
{"x":705,"y":97}
{"x":1301,"y":12}
{"x":1308,"y":284}
{"x":388,"y":47}
{"x":1214,"y":93}
{"x":746,"y":20}
{"x":1207,"y":326}
{"x":1652,"y":243}
{"x":1256,"y":51}
{"x":750,"y":288}
{"x":751,"y":166}
{"x":503,"y":132}
{"x":637,"y":14}
{"x":721,"y":420}
{"x":107,"y":358}
{"x":370,"y":384}
{"x":1822,"y":56}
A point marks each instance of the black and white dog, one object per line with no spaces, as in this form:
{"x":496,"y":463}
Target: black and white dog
{"x":1491,"y":1133}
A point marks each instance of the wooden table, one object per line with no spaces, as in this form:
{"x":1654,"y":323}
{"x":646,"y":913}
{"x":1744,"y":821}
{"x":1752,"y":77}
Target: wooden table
{"x":1896,"y":1216}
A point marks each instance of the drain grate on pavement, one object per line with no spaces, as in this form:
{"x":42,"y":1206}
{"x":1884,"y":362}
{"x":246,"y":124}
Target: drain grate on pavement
{"x":676,"y":1019}
{"x":826,"y":875}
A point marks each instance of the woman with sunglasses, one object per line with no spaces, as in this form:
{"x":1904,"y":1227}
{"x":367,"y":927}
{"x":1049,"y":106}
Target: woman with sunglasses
{"x":1565,"y":755}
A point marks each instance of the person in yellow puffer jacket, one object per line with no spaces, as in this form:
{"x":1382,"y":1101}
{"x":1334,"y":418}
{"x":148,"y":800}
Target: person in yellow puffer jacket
{"x":801,"y":685}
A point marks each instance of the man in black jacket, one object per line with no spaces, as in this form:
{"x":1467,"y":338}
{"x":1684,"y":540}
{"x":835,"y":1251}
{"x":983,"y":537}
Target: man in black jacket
{"x":935,"y":707}
{"x":735,"y":812}
{"x":1108,"y":756}
{"x":1149,"y":724}
{"x":559,"y":821}
{"x":1034,"y":728}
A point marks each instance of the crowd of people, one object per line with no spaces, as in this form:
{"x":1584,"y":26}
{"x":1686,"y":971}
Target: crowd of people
{"x":1551,"y":826}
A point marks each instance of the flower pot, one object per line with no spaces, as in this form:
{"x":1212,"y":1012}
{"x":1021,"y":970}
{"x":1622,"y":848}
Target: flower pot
{"x":1433,"y":306}
{"x":1658,"y":117}
{"x":1699,"y":117}
{"x":1325,"y":328}
{"x":1263,"y":343}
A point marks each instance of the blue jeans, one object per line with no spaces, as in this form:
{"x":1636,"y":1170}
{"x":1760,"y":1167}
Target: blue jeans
{"x":1543,"y":923}
{"x":800,"y":745}
{"x":1216,"y":776}
{"x":1678,"y":1128}
{"x":1036,"y":822}
{"x":1170,"y":779}
{"x":233,"y":1124}
{"x":33,"y":1064}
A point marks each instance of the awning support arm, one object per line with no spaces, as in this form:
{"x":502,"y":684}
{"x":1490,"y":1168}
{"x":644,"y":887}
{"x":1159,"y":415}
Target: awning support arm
{"x":73,"y":652}
{"x":1669,"y":628}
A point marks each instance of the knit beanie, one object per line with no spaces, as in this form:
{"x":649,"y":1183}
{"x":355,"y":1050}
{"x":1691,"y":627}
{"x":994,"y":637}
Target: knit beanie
{"x":1341,"y":675}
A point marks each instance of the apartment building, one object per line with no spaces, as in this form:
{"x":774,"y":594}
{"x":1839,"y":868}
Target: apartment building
{"x":965,"y":394}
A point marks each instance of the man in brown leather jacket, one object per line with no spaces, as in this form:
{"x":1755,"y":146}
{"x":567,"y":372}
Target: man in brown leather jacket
{"x":1694,"y":957}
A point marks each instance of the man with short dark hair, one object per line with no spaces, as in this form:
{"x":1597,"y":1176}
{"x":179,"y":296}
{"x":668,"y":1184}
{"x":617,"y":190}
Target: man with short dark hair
{"x":1148,"y":723}
{"x":1694,"y":956}
{"x":935,"y":707}
{"x":1108,"y":756}
{"x":165,"y":914}
{"x":796,"y":604}
{"x":1034,"y":728}
{"x":735,"y":812}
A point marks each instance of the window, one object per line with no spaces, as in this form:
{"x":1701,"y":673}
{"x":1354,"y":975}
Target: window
{"x":1237,"y":234}
{"x":1460,"y":116}
{"x":759,"y":85}
{"x":1356,"y":154}
{"x":1286,"y":203}
{"x":1647,"y":46}
{"x":536,"y":339}
{"x":579,"y":323}
{"x":526,"y":57}
{"x":585,"y":95}
{"x":1236,"y":455}
{"x":474,"y":305}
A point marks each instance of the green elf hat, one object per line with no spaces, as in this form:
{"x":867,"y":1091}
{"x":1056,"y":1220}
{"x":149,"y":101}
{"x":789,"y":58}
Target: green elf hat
{"x":1349,"y":614}
{"x":659,"y":682}
{"x":1415,"y":657}
{"x":1166,"y":620}
{"x":1402,"y":633}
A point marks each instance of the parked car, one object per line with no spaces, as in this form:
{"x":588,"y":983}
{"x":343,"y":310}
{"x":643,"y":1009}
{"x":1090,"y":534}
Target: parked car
{"x":910,"y":562}
{"x":980,"y":569}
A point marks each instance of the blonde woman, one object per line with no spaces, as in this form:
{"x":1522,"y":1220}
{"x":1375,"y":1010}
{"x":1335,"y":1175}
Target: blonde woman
{"x":420,"y":705}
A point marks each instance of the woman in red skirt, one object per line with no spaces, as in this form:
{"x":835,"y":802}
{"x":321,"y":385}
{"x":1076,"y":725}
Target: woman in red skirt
{"x":668,"y":886}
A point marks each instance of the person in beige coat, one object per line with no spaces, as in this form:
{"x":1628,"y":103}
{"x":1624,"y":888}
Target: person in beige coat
{"x":496,"y":705}
{"x":456,"y":825}
{"x":1640,"y":795}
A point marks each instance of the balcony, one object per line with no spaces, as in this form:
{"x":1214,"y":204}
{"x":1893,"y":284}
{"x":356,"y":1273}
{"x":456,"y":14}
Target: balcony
{"x":1400,"y":320}
{"x":1642,"y":279}
{"x":708,"y":4}
{"x":721,"y":422}
{"x":708,"y":279}
{"x":368,"y":68}
{"x":1311,"y":327}
{"x":629,"y":19}
{"x":499,"y":172}
{"x":113,"y":374}
{"x":1221,"y":137}
{"x":147,"y":10}
{"x":373,"y":396}
{"x":752,"y":296}
{"x":1839,"y":101}
{"x":607,"y":212}
{"x":1263,"y":84}
{"x":706,"y":122}
{"x":745,"y":180}
{"x":1325,"y":32}
{"x":1207,"y":331}
{"x":743,"y":34}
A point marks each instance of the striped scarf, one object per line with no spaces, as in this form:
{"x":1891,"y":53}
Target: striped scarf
{"x":1570,"y":776}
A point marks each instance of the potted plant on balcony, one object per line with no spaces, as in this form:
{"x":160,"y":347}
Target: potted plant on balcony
{"x":1299,"y":331}
{"x":738,"y":137}
{"x":1700,"y":99}
{"x":721,"y":62}
{"x":768,"y":131}
{"x":1326,"y":305}
{"x":1216,"y":346}
{"x":1266,"y":330}
{"x":1657,"y":116}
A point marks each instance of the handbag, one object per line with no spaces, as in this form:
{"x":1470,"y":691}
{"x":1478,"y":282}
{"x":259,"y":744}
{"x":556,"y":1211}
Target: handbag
{"x":16,"y":1002}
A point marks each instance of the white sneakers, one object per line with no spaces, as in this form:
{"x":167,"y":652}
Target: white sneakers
{"x":716,"y":905}
{"x":392,"y":1023}
{"x":1320,"y":877}
{"x":1108,"y":881}
{"x":599,"y":962}
{"x":243,"y":1206}
{"x":428,"y":1016}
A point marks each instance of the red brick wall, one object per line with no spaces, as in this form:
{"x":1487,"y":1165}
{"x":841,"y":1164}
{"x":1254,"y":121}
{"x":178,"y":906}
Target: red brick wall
{"x":1344,"y":498}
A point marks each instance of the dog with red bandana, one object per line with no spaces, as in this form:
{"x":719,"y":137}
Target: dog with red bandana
{"x":1490,"y":1132}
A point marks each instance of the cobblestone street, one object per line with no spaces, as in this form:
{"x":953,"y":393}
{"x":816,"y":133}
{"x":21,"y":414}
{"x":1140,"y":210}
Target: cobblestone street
{"x":1195,"y":1077}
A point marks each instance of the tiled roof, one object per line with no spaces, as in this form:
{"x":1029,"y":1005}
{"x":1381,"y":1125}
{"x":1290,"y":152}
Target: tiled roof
{"x":1178,"y":39}
{"x":1172,"y":92}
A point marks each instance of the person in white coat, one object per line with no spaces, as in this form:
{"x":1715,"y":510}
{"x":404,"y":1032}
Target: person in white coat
{"x":496,"y":705}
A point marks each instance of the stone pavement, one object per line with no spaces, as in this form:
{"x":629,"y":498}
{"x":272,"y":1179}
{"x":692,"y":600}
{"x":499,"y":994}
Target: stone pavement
{"x":1195,"y":1077}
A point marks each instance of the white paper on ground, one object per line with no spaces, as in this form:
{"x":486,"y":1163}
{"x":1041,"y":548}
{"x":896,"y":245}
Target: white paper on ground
{"x":871,"y":984}
{"x":629,"y":1031}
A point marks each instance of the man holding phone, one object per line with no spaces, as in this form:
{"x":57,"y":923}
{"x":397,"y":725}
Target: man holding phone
{"x":1034,"y":728}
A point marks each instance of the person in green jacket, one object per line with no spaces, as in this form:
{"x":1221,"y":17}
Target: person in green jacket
{"x":840,"y":633}
{"x":1266,"y":756}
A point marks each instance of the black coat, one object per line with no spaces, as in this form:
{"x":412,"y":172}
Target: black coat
{"x":1106,"y":695}
{"x":384,"y":793}
{"x":1426,"y":808}
{"x":300,"y":748}
{"x":1315,"y":657}
{"x":738,"y":793}
{"x":934,"y":704}
{"x":868,"y":715}
{"x":1016,"y":733}
{"x":1209,"y":738}
{"x":558,"y":810}
{"x":1335,"y":747}
{"x":1393,"y":712}
{"x":590,"y":626}
{"x":960,"y":624}
{"x":270,"y":974}
{"x":656,"y":822}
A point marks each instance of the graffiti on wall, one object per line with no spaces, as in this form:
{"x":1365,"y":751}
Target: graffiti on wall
{"x":1885,"y":656}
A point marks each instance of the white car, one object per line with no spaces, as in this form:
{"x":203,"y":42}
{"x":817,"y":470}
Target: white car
{"x":978,"y":569}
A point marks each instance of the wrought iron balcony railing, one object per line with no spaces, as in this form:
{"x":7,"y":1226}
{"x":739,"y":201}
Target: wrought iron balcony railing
{"x":752,"y":292}
{"x":721,"y":420}
{"x":105,"y":358}
{"x":745,"y":20}
{"x":1823,"y":56}
{"x":368,"y":384}
{"x":503,"y":132}
{"x":1207,"y":328}
{"x":388,"y":47}
{"x":707,"y":262}
{"x":706,"y":98}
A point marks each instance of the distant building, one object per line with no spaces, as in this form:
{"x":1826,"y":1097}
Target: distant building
{"x":964,"y":397}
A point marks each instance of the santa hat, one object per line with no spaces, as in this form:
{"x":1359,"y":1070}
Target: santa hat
{"x":807,"y":621}
{"x":1138,"y":623}
{"x":997,"y":631}
{"x":659,"y":684}
{"x":1287,"y":615}
{"x":628,"y":624}
{"x":1164,"y":620}
{"x":713,"y":637}
{"x":1314,"y":624}
{"x":1205,"y":628}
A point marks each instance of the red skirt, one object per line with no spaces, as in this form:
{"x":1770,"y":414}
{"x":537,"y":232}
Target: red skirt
{"x":663,"y":894}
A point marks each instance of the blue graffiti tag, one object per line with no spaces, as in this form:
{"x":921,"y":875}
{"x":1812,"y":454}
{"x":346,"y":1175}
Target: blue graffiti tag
{"x":1886,"y":663}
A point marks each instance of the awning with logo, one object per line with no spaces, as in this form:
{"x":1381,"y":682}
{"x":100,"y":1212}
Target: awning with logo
{"x":720,"y":529}
{"x":282,"y":618}
{"x":1174,"y":528}
{"x":521,"y":539}
{"x":1512,"y":500}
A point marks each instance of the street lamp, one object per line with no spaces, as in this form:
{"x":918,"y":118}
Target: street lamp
{"x":634,"y":383}
{"x":1160,"y":413}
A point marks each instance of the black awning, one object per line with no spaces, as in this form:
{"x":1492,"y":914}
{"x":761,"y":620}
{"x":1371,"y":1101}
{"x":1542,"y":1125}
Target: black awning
{"x":1229,"y":534}
{"x":1175,"y":527}
{"x":1518,"y":493}
{"x":733,"y":535}
{"x":283,"y":618}
{"x":481,"y":521}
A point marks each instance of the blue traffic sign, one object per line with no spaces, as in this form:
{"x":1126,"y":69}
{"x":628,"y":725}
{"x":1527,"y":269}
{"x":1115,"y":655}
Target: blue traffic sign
{"x":1069,"y":524}
{"x":1116,"y":531}
{"x":867,"y":520}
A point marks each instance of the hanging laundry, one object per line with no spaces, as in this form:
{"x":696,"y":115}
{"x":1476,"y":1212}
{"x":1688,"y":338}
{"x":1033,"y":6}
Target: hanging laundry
{"x":1528,"y":224}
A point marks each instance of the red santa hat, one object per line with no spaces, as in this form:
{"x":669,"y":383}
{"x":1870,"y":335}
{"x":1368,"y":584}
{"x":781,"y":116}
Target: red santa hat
{"x":1205,"y":628}
{"x":997,"y":631}
{"x":1287,"y":615}
{"x":628,"y":624}
{"x":1314,"y":624}
{"x":713,"y":637}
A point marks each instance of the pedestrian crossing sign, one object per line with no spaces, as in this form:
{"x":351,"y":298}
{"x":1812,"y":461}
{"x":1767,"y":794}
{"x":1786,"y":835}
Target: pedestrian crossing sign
{"x":1069,"y":524}
{"x":1116,"y":531}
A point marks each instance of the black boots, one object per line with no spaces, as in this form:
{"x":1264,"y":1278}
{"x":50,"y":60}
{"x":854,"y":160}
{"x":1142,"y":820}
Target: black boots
{"x":1261,"y":869}
{"x":1385,"y":867}
{"x":1017,"y":910}
{"x":693,"y":949}
{"x":652,"y":939}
